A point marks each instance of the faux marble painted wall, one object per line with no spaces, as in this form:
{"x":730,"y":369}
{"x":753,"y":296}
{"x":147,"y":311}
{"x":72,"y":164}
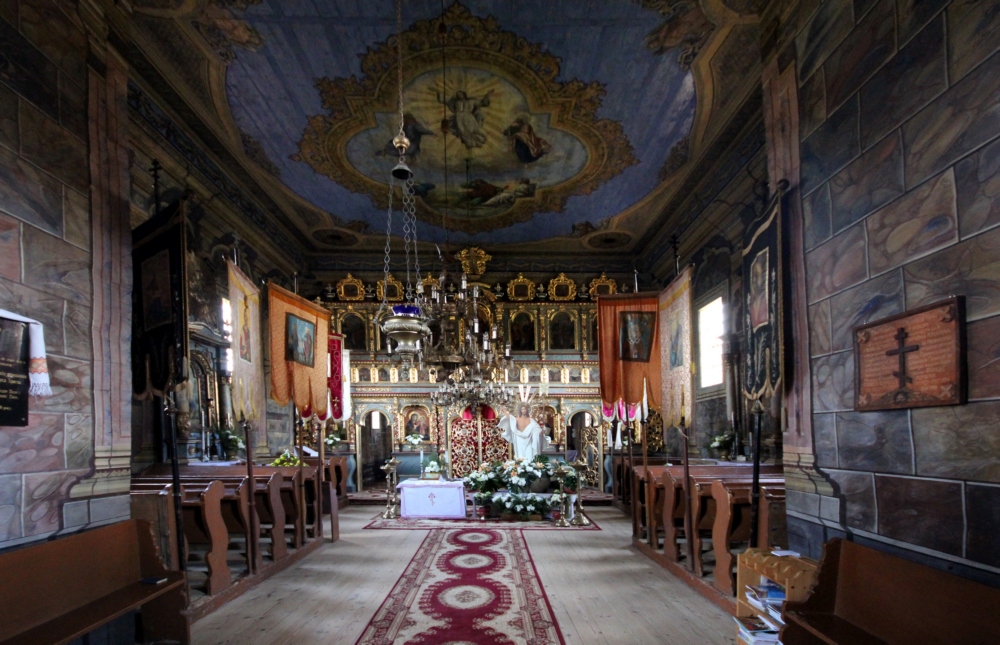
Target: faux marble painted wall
{"x":899,"y":119}
{"x":61,"y":256}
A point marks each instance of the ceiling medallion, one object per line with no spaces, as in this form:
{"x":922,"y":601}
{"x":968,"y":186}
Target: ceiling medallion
{"x":525,"y":140}
{"x":474,"y":261}
{"x":520,"y":289}
{"x":562,"y":289}
{"x":350,"y":289}
{"x":603,"y":286}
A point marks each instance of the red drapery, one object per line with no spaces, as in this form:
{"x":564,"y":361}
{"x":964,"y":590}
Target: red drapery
{"x":621,"y":379}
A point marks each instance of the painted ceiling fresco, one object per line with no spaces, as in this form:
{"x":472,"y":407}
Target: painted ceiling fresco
{"x":537,"y":118}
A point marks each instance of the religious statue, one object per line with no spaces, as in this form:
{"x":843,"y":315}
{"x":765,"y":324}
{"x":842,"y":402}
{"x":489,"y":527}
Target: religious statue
{"x":524,"y":433}
{"x":467,"y":117}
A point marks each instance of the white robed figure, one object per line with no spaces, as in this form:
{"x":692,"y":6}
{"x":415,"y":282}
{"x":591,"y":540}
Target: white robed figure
{"x":523,"y":432}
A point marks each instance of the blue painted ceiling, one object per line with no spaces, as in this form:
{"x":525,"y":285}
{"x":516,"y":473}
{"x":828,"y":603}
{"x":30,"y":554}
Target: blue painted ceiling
{"x":273,"y":91}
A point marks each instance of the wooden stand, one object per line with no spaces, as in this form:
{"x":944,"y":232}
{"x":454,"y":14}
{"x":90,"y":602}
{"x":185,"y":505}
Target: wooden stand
{"x":796,"y":575}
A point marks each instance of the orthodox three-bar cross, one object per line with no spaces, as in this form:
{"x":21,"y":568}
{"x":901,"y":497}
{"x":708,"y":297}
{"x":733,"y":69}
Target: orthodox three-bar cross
{"x":901,"y":350}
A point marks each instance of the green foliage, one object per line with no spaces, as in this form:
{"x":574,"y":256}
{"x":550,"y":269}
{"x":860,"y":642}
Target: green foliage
{"x":286,"y":459}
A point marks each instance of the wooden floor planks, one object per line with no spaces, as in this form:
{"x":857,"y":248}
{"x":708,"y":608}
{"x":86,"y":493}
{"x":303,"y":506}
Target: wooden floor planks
{"x":601,"y":590}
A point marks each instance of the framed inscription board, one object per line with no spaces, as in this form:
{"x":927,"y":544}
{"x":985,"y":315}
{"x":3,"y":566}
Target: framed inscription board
{"x":13,"y":373}
{"x":913,"y":360}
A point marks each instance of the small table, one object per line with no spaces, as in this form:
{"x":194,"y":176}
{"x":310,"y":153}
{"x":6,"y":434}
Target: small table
{"x":421,"y":498}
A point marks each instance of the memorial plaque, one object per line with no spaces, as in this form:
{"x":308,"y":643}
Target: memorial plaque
{"x":913,"y":360}
{"x":13,"y":373}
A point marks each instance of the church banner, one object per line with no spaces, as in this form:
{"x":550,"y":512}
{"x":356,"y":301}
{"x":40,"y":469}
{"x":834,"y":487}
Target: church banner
{"x":762,"y":353}
{"x":347,"y":407}
{"x":676,"y":341}
{"x":248,"y":352}
{"x":629,"y":348}
{"x":299,"y":348}
{"x":336,"y":379}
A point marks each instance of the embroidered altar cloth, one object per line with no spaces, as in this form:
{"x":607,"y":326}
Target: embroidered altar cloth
{"x":421,"y":498}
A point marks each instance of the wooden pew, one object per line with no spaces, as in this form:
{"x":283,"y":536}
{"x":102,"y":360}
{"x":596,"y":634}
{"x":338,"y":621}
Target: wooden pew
{"x":864,"y":596}
{"x":235,"y":506}
{"x":645,"y":501}
{"x":290,"y":487}
{"x":674,"y":498}
{"x":732,"y":524}
{"x":268,"y":504}
{"x":58,"y":591}
{"x":703,"y":509}
{"x":157,"y":508}
{"x":203,"y":526}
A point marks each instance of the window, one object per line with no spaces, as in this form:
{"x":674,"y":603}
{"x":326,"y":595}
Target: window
{"x":711,"y":327}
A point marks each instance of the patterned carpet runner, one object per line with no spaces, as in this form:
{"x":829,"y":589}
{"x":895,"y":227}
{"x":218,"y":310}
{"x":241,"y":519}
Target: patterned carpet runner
{"x":409,"y":524}
{"x":467,"y":586}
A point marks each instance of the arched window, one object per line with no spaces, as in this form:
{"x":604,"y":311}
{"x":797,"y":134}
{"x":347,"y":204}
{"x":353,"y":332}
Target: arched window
{"x":355,"y":333}
{"x":562,"y":332}
{"x":522,"y":333}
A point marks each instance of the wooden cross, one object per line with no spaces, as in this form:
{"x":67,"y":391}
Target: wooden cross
{"x":902,"y":349}
{"x":431,"y":497}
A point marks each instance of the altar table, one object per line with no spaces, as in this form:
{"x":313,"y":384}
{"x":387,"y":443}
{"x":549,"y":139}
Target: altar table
{"x":422,"y":498}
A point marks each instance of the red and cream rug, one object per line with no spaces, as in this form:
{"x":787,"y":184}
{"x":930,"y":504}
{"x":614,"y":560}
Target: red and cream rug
{"x":411,"y":524}
{"x":467,"y":586}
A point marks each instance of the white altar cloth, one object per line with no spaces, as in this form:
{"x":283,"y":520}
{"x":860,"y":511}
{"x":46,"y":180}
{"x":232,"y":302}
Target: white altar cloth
{"x":422,"y":498}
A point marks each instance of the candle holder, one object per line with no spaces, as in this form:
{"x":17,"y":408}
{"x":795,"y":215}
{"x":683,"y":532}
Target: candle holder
{"x":561,"y":473}
{"x":579,"y":519}
{"x":391,"y":499}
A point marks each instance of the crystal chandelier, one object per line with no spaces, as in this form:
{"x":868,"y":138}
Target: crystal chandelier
{"x":466,"y":388}
{"x":404,"y":324}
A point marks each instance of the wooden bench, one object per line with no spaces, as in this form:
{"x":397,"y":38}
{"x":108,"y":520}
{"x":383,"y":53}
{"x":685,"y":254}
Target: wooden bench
{"x":866,"y":597}
{"x":703,"y":510}
{"x":646,"y":499}
{"x":235,"y":507}
{"x":61,"y":590}
{"x":732,"y":524}
{"x":267,"y":503}
{"x":157,"y":508}
{"x":291,"y":485}
{"x":204,"y":527}
{"x":674,"y":504}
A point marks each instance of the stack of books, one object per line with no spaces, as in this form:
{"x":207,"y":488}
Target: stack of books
{"x":767,"y":598}
{"x":754,"y":630}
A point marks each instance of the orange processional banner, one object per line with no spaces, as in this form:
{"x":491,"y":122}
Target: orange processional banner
{"x":629,"y":348}
{"x":676,"y":338}
{"x":299,"y":351}
{"x":249,"y":399}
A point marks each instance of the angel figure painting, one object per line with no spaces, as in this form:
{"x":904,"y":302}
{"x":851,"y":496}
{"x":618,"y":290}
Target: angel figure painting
{"x":467,"y":117}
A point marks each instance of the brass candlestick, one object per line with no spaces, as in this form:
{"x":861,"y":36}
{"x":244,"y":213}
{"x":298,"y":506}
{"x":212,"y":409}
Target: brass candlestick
{"x":561,"y":473}
{"x":579,"y":519}
{"x":391,"y":501}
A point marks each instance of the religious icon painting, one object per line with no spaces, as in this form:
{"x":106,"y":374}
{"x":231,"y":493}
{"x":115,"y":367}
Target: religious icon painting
{"x":675,"y":327}
{"x":300,"y":340}
{"x":758,"y":300}
{"x":156,"y":309}
{"x":636,"y":336}
{"x":246,"y":354}
{"x":416,"y":420}
{"x":762,"y":302}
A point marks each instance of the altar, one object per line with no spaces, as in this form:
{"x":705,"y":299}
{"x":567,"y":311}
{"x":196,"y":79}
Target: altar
{"x":421,"y":498}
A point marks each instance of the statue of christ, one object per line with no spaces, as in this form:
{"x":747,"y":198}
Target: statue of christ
{"x":524,"y":433}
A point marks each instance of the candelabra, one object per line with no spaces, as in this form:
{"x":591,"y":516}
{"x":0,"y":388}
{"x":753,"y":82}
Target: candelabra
{"x":579,"y":519}
{"x":391,"y":499}
{"x":561,"y":473}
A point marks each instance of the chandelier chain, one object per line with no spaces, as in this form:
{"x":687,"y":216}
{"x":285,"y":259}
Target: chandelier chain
{"x":388,"y":245}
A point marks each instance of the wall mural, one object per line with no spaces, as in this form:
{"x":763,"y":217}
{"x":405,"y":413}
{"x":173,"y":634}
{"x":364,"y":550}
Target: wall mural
{"x":517,"y":141}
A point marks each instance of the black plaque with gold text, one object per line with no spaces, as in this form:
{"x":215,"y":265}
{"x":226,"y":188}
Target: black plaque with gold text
{"x":13,"y":373}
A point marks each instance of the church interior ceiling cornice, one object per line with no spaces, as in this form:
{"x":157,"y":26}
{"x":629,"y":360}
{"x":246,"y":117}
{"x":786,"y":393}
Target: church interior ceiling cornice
{"x":540,"y":128}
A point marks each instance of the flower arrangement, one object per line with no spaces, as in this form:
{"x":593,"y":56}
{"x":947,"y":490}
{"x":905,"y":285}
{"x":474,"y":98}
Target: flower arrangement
{"x":413,"y":439}
{"x":724,"y":443}
{"x":231,"y":441}
{"x":522,"y":505}
{"x":432,"y":467}
{"x":570,"y":482}
{"x":286,"y":459}
{"x":488,"y":478}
